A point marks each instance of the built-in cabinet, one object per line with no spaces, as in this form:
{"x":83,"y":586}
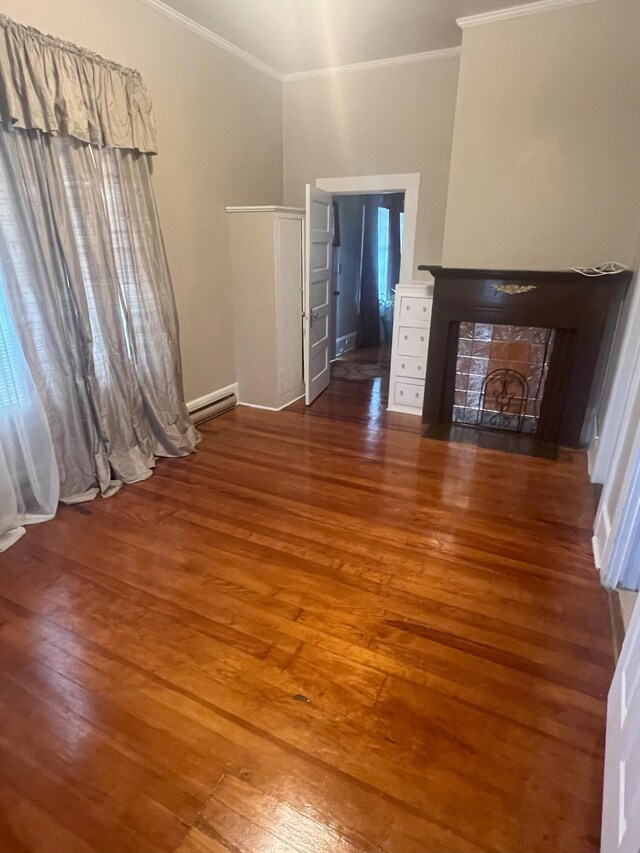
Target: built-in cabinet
{"x":266,"y":255}
{"x":411,"y":321}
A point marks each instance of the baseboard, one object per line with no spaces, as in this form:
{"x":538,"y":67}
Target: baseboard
{"x":405,"y":410}
{"x":621,"y":604}
{"x":592,"y":450}
{"x":600,"y":536}
{"x":345,"y":343}
{"x":627,"y":599}
{"x":271,"y":408}
{"x":596,"y":492}
{"x":617,"y":621}
{"x":208,"y":400}
{"x":595,"y":547}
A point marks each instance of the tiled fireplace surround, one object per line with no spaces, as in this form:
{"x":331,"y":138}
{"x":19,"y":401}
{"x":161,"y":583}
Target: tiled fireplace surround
{"x":484,"y":348}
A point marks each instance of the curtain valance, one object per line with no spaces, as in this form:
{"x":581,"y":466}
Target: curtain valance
{"x":53,"y":86}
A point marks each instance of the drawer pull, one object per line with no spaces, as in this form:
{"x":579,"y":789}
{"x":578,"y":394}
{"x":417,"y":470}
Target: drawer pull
{"x":421,"y":337}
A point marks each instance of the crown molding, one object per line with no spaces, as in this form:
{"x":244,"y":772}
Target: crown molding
{"x":406,"y":59}
{"x":209,"y":35}
{"x":517,"y":12}
{"x":214,"y":38}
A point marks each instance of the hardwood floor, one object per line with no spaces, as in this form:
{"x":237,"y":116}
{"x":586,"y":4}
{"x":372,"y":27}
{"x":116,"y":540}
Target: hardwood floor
{"x":319,"y":633}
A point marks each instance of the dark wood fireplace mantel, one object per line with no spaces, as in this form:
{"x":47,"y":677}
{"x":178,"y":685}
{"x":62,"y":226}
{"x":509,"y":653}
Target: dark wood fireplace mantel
{"x":580,"y":308}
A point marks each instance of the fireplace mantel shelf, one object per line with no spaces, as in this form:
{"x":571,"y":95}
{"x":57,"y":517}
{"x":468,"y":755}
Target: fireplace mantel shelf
{"x":539,"y":276}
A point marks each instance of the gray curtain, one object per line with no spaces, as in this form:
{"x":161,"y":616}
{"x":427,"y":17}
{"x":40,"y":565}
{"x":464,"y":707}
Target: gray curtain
{"x":369,"y":313}
{"x":90,"y":296}
{"x":57,"y":87}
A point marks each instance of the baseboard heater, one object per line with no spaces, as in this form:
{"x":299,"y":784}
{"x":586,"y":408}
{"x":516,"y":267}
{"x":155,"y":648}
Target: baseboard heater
{"x":213,"y":408}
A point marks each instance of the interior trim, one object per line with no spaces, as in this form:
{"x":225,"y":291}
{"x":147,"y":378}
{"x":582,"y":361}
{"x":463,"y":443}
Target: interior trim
{"x":406,"y":59}
{"x":250,"y":59}
{"x":264,"y":208}
{"x":209,"y":35}
{"x":617,"y":622}
{"x":516,"y":12}
{"x":271,"y":408}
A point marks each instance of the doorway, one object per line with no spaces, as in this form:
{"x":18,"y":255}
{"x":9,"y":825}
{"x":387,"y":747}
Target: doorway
{"x":367,"y":252}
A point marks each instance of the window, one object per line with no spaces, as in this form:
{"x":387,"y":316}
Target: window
{"x":13,"y":380}
{"x":383,"y":251}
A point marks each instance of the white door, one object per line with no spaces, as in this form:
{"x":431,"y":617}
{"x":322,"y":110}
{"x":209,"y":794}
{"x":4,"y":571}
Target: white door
{"x":621,"y":803}
{"x":618,"y":518}
{"x":616,"y":462}
{"x":317,"y":293}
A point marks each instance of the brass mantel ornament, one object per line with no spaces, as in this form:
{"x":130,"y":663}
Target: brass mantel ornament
{"x":512,"y":289}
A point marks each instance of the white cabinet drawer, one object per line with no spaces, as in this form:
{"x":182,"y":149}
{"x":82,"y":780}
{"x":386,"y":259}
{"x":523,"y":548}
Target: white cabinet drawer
{"x":412,"y":341}
{"x":408,"y":395}
{"x":415,"y":309}
{"x":411,"y":366}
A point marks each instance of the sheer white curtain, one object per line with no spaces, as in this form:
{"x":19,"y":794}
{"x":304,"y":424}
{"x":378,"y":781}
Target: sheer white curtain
{"x":29,"y":484}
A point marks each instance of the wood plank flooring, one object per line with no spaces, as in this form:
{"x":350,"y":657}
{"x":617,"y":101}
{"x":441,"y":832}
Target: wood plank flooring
{"x":321,"y":632}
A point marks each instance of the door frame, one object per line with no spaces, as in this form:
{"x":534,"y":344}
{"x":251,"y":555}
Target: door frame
{"x":409,"y":184}
{"x":616,"y":539}
{"x":608,"y":424}
{"x":615,"y":462}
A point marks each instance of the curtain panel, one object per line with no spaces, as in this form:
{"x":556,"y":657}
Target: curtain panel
{"x":369,"y":314}
{"x":373,"y":280}
{"x":90,"y":295}
{"x":51,"y":85}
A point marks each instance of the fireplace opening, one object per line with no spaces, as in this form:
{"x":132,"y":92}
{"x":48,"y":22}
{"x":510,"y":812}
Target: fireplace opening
{"x":500,"y":375}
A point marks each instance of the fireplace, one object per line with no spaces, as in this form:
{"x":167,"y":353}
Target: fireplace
{"x":513,"y":354}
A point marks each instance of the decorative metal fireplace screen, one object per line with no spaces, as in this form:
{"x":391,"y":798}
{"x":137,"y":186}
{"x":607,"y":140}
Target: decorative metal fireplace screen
{"x":500,"y":375}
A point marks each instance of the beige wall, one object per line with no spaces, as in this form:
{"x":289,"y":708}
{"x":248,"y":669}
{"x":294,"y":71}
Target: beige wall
{"x":390,"y":120}
{"x":220,"y":142}
{"x":545,"y":169}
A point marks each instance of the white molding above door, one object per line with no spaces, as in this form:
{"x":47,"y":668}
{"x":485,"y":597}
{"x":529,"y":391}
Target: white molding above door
{"x":409,"y":184}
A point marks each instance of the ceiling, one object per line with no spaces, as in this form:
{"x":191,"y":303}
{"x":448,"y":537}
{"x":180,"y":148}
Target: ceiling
{"x":304,"y":35}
